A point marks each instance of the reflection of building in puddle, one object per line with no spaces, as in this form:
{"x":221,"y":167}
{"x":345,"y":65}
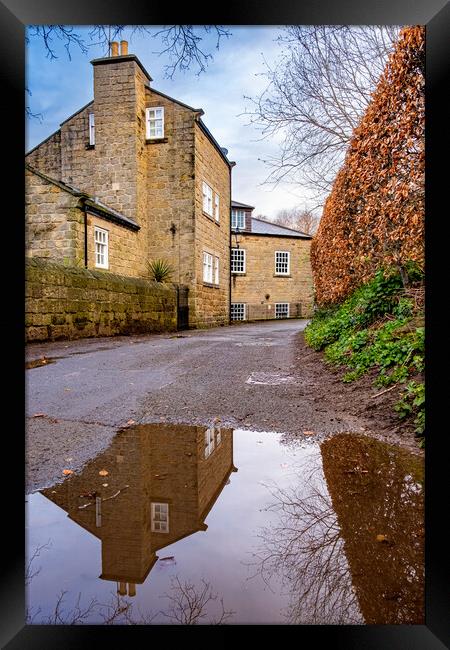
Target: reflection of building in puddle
{"x":152,"y":487}
{"x":376,"y":491}
{"x":352,"y":553}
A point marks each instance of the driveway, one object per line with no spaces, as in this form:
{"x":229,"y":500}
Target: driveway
{"x":249,"y":375}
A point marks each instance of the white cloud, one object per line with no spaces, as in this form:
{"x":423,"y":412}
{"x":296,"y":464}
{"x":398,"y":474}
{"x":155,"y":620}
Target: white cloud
{"x":61,"y":87}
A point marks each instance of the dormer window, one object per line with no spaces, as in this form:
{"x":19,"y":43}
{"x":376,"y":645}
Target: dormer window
{"x":237,"y":219}
{"x":154,"y":123}
{"x":91,"y":129}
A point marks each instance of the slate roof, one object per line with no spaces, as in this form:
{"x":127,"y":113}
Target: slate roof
{"x":236,"y":204}
{"x":260,"y":227}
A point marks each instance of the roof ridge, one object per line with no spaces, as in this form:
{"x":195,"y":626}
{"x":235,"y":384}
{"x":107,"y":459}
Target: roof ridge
{"x":300,"y":232}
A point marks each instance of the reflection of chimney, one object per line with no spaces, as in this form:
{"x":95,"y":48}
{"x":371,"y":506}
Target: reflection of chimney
{"x":123,"y":47}
{"x":114,"y":48}
{"x":122,"y":590}
{"x":131,"y":589}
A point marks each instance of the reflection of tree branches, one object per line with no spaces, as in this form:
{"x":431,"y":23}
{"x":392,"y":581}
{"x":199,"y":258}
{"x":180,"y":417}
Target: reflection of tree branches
{"x":31,"y":571}
{"x":304,"y":548}
{"x":188,"y":603}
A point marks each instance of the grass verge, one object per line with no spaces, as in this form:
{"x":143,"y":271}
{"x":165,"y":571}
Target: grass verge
{"x":379,"y":327}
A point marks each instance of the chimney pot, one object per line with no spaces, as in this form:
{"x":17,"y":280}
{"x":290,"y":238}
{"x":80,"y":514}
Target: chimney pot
{"x":114,"y":48}
{"x":124,"y":47}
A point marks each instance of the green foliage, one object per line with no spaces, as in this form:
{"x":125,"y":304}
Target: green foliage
{"x":159,"y":270}
{"x":412,"y":402}
{"x":375,"y":329}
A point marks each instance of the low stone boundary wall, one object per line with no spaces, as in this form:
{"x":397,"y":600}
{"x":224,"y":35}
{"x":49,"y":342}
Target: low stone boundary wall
{"x":69,"y":303}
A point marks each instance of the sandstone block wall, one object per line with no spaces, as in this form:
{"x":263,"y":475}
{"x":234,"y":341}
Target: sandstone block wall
{"x":211,"y":303}
{"x":54,"y":224}
{"x":169,"y":189}
{"x":70,"y":303}
{"x":260,"y":279}
{"x":156,"y":183}
{"x":46,"y":157}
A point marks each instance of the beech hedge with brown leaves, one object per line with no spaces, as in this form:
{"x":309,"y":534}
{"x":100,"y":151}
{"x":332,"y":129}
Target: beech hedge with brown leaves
{"x":374,"y":215}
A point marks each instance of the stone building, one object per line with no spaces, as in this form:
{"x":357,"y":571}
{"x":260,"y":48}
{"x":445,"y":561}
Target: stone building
{"x":135,"y":176}
{"x":162,"y":481}
{"x":270,"y":269}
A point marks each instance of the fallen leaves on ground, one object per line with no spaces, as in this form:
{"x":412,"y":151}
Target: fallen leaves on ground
{"x":103,"y":472}
{"x":39,"y":415}
{"x":66,"y":472}
{"x":309,"y":433}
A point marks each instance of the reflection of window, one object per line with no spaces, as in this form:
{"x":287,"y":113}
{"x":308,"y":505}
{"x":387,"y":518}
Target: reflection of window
{"x":160,"y":517}
{"x":209,"y":441}
{"x":218,"y":436}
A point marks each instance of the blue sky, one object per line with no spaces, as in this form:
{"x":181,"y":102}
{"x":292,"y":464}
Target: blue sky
{"x":60,"y":87}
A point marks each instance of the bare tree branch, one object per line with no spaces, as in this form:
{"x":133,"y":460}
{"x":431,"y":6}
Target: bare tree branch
{"x":182,"y":44}
{"x":315,"y":97}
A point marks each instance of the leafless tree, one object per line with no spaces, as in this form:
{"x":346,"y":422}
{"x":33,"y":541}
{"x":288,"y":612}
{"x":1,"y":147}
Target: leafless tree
{"x":304,"y":549}
{"x":316,"y":95}
{"x":182,"y":44}
{"x":298,"y":218}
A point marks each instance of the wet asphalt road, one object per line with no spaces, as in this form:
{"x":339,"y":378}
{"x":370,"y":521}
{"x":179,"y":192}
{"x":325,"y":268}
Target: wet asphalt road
{"x":249,"y":375}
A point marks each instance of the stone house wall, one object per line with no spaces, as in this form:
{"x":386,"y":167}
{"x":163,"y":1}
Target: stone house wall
{"x":212,"y":302}
{"x":156,"y":183}
{"x":53,"y":222}
{"x":260,"y":280}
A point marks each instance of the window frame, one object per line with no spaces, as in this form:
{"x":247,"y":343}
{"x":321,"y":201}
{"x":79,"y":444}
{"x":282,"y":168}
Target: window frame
{"x":244,"y":261}
{"x":103,"y":231}
{"x":148,"y":120}
{"x":209,"y":266}
{"x":152,"y":517}
{"x":209,"y":199}
{"x":288,"y":272}
{"x":92,"y":129}
{"x":279,"y":304}
{"x":244,"y":311}
{"x":234,"y":213}
{"x":217,"y":207}
{"x":216,"y":270}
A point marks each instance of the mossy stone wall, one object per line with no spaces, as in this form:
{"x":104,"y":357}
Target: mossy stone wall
{"x":69,"y":303}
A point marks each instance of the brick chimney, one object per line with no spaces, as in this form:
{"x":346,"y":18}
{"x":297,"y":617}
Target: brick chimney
{"x":119,"y":107}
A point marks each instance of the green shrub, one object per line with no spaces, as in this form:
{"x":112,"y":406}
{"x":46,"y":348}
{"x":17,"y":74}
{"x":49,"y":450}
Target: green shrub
{"x":159,"y":270}
{"x":374,"y":329}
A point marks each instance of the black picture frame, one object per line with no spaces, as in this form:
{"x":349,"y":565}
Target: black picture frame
{"x":435,"y":14}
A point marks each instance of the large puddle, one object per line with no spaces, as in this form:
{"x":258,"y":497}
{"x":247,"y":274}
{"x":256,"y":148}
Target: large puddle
{"x":185,"y":524}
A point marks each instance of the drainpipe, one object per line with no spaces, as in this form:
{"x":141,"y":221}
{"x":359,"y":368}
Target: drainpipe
{"x":85,"y":239}
{"x":83,"y":207}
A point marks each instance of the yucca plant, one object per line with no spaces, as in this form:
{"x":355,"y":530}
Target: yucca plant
{"x":160,"y":270}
